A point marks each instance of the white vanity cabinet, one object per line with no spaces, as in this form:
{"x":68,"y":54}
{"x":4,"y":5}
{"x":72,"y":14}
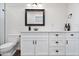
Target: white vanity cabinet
{"x":49,"y":43}
{"x":34,"y":44}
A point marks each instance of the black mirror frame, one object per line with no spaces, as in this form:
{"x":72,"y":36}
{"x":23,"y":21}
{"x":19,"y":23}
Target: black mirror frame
{"x":26,"y":10}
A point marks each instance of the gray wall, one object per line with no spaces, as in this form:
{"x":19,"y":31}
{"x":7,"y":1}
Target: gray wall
{"x":55,"y":16}
{"x":74,"y":8}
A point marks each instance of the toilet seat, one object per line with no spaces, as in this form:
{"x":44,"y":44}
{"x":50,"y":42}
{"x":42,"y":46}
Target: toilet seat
{"x":6,"y":47}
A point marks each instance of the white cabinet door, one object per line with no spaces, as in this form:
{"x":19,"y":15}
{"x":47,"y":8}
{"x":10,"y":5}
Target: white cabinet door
{"x":72,"y":48}
{"x":42,"y":47}
{"x":34,"y":44}
{"x":27,"y":47}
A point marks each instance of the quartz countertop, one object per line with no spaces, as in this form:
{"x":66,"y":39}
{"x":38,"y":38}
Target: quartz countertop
{"x":49,"y":31}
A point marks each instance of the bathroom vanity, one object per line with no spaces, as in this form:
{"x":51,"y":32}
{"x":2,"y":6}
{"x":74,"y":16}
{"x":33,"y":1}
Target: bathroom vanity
{"x":49,"y":43}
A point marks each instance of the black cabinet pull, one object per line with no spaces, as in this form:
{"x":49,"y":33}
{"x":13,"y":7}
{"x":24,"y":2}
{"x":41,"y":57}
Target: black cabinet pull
{"x":33,"y":41}
{"x":66,"y":41}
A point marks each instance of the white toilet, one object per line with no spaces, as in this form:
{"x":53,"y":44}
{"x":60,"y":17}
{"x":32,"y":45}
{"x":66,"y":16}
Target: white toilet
{"x":9,"y":48}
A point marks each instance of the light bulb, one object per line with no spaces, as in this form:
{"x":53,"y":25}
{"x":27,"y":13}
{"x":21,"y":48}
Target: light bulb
{"x":28,"y":5}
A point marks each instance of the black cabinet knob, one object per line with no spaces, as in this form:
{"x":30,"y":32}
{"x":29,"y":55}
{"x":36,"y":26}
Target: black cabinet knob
{"x":57,"y":51}
{"x":57,"y":42}
{"x":72,"y":34}
{"x":56,"y":34}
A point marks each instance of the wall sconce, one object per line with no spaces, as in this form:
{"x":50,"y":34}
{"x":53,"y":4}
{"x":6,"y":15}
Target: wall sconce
{"x":67,"y":24}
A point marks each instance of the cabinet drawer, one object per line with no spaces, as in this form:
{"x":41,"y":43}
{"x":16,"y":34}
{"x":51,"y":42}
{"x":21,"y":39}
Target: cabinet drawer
{"x":61,"y":42}
{"x":35,"y":34}
{"x":56,"y":34}
{"x":53,"y":38}
{"x":52,"y":50}
{"x":52,"y":35}
{"x":57,"y":51}
{"x":62,"y":50}
{"x":57,"y":42}
{"x":34,"y":38}
{"x":53,"y":43}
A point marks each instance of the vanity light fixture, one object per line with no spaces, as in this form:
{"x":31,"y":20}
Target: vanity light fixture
{"x":34,"y":5}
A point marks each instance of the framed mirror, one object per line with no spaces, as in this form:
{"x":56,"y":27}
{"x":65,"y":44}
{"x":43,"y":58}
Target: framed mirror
{"x":34,"y":17}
